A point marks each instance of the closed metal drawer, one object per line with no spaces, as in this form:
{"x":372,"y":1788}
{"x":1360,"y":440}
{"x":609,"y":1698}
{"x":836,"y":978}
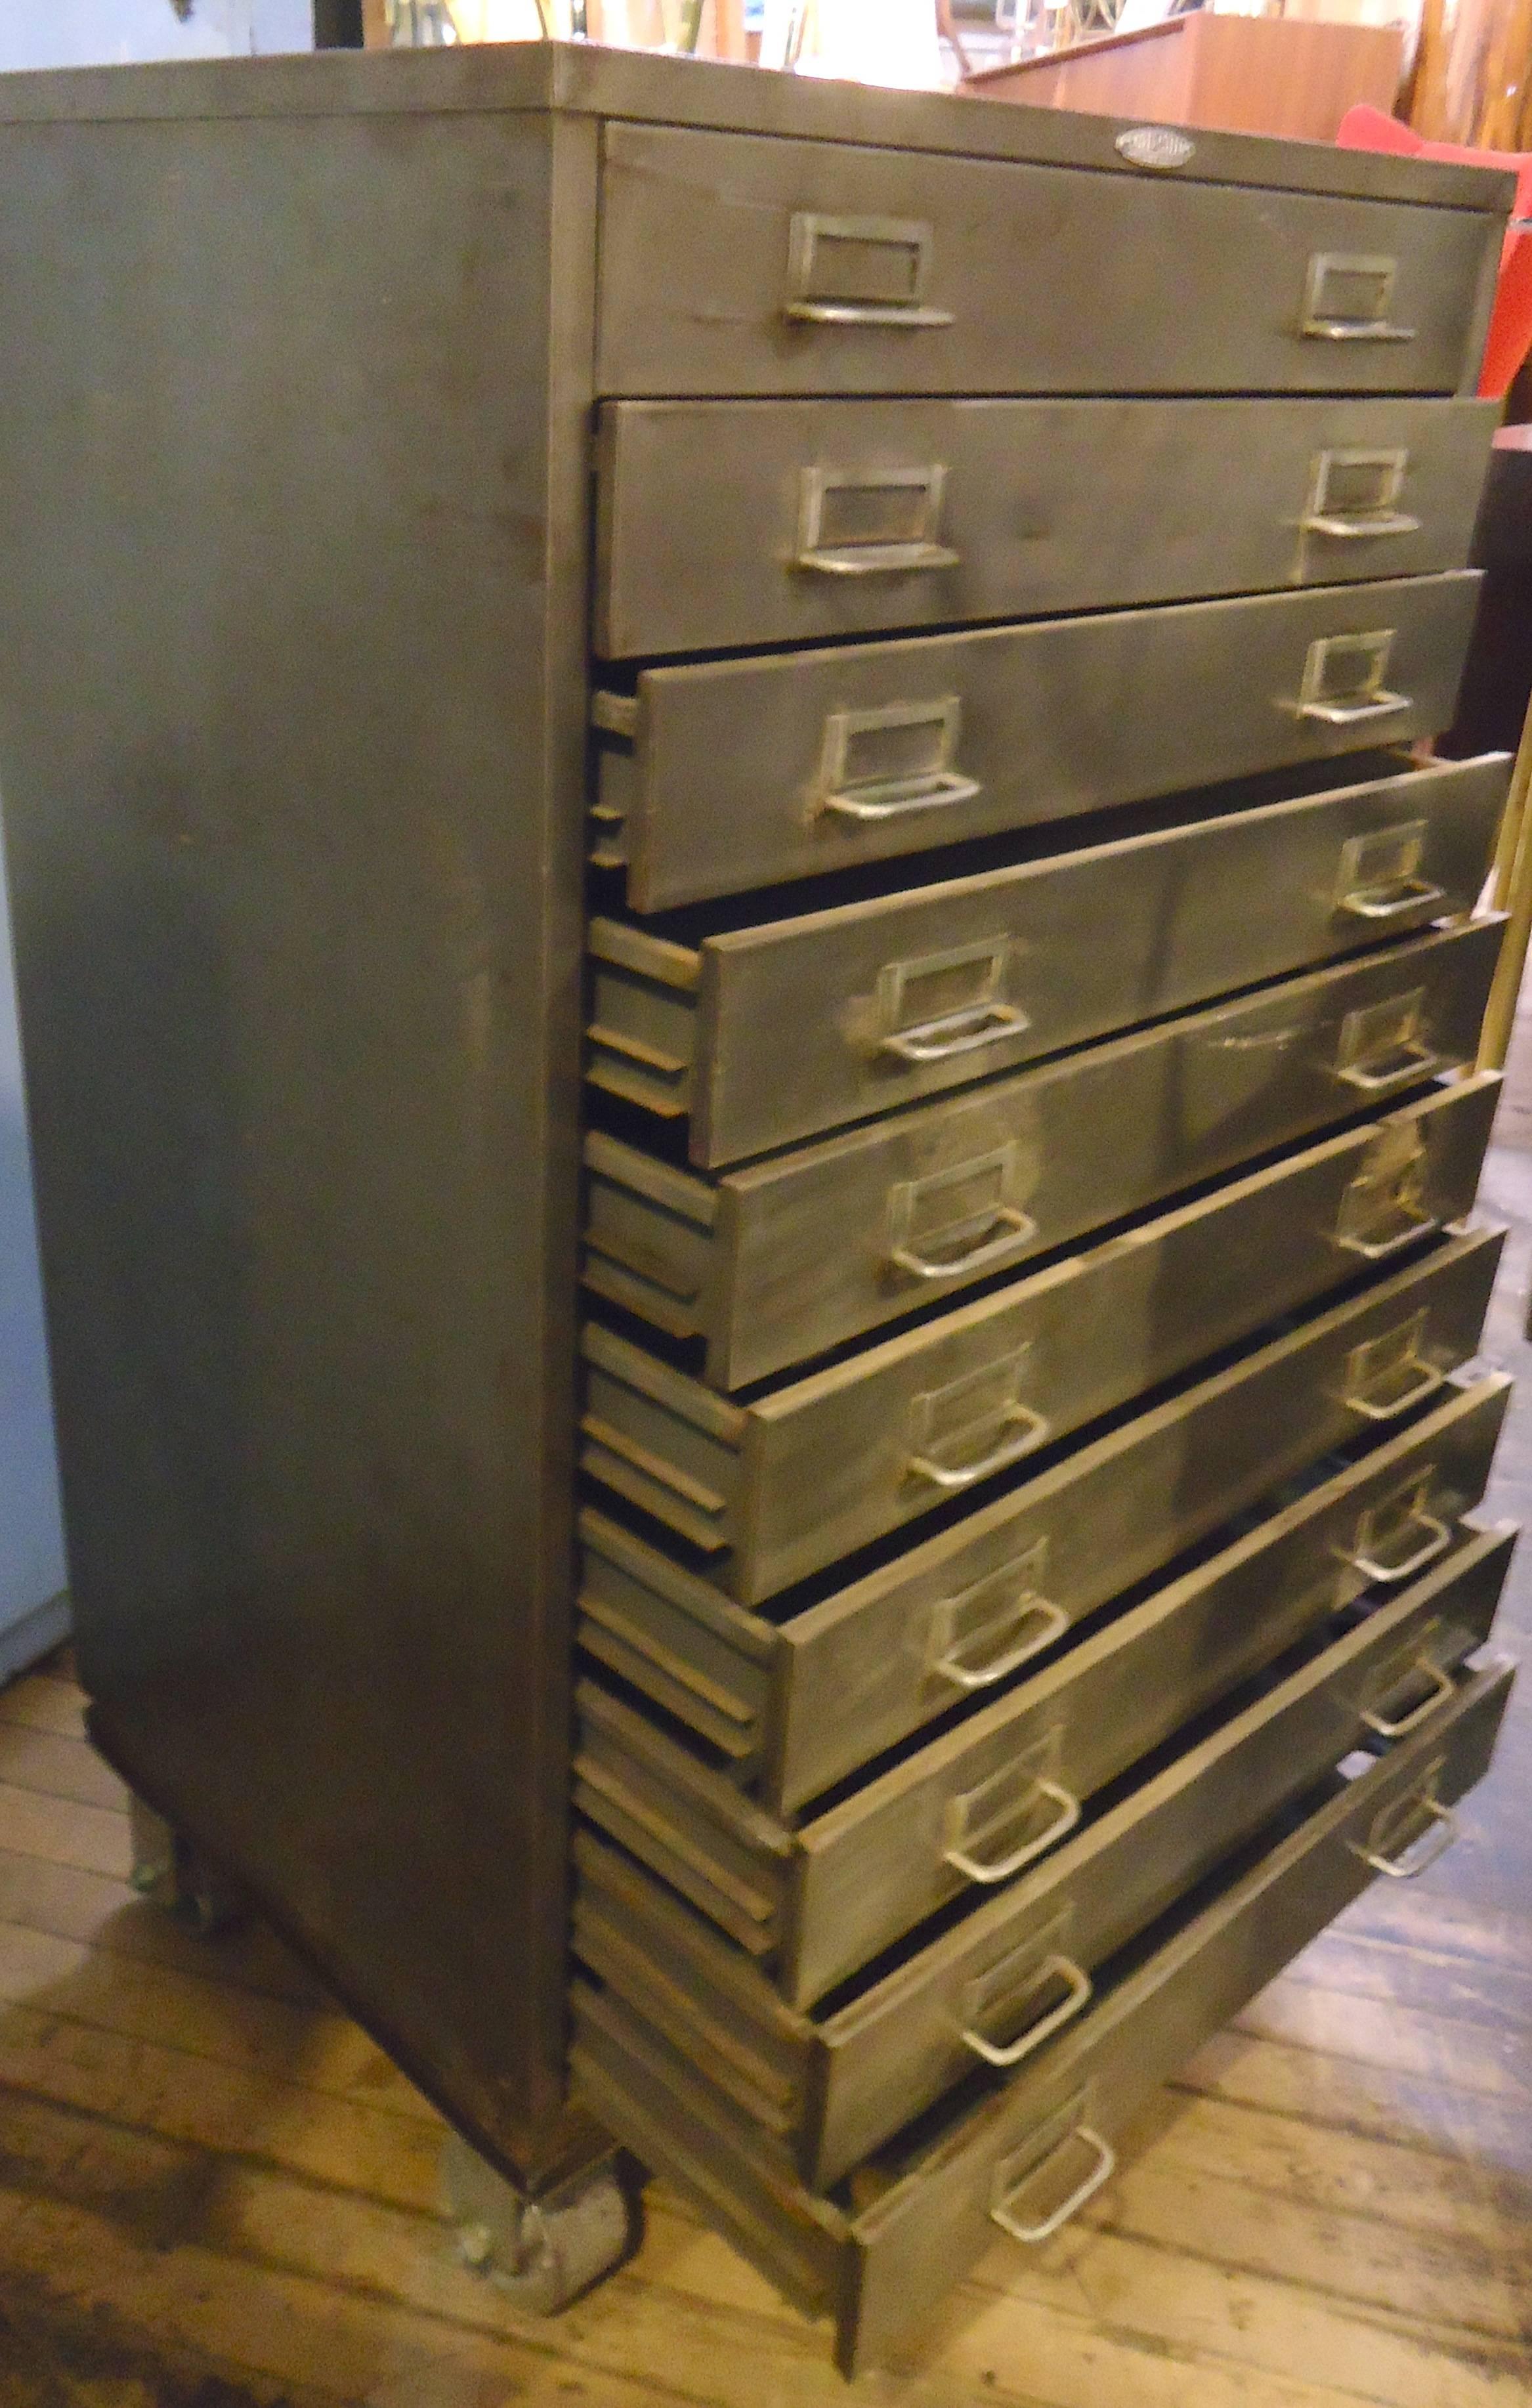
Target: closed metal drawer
{"x":977,"y":1805}
{"x":1024,"y":2151}
{"x":997,"y":1987}
{"x":731,"y":523}
{"x":818,"y":1467}
{"x":775,"y":1264}
{"x":733,"y":264}
{"x":843,"y":1669}
{"x":871,"y":750}
{"x":906,"y":994}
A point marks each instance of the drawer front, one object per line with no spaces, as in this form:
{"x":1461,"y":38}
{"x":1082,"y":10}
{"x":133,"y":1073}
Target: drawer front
{"x":880,"y":2270}
{"x":921,"y":2235}
{"x":798,"y":1703}
{"x":723,"y":524}
{"x":912,"y":994}
{"x":783,"y":1261}
{"x":824,"y":1465}
{"x":1002,"y":1984}
{"x":873,"y":750}
{"x":733,"y":264}
{"x":967,"y":1813}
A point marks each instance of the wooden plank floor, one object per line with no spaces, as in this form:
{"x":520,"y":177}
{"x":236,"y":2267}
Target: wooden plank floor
{"x":216,"y":2193}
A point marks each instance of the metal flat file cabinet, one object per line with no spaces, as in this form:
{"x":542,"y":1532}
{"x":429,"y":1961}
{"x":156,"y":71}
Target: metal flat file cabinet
{"x":750,"y":1018}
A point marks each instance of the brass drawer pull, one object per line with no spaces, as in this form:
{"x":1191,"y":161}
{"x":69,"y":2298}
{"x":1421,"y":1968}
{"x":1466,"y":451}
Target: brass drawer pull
{"x":859,"y":272}
{"x":1381,"y":877}
{"x":1352,"y":494}
{"x":953,"y":1223}
{"x":1342,"y":682}
{"x":1389,"y":1570}
{"x":871,"y":523}
{"x":1348,"y":299}
{"x":1384,"y":1046}
{"x":1010,"y":1795}
{"x":886,"y":763}
{"x":1004,"y":1612}
{"x":1440,"y":1687}
{"x":1388,"y":1377}
{"x":1378,"y":1249}
{"x":1385,"y":1857}
{"x":1007,"y":2187}
{"x":1076,"y":1990}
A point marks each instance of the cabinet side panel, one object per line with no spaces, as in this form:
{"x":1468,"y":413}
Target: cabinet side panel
{"x":291,"y":629}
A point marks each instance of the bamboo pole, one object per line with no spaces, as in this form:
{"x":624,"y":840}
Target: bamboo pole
{"x":1513,"y":893}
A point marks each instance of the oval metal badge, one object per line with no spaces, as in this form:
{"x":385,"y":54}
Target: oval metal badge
{"x":1156,"y":146}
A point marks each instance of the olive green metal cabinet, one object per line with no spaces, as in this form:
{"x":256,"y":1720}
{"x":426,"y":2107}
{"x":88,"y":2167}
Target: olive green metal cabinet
{"x":749,"y":1028}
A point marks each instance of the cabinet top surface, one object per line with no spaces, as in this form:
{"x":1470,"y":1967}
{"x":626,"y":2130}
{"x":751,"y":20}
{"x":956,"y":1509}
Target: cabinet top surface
{"x":586,"y":80}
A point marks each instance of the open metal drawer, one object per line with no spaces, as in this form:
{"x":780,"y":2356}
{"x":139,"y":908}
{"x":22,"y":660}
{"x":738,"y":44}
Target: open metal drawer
{"x":973,"y":1807}
{"x":813,"y":1467}
{"x":1021,"y":2153}
{"x":860,"y":751}
{"x":790,"y":1703}
{"x":1000,"y":1984}
{"x":782,"y":1260}
{"x":725,"y":525}
{"x":902,"y":995}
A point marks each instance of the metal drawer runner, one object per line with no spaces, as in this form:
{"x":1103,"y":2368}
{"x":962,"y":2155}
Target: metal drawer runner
{"x":974,"y":1807}
{"x":863,"y":752}
{"x":779,"y":1262}
{"x":816,"y":1468}
{"x":906,"y":994}
{"x":724,"y":526}
{"x":997,"y":1987}
{"x":844,"y":1669}
{"x":1029,"y":2150}
{"x":740,"y":263}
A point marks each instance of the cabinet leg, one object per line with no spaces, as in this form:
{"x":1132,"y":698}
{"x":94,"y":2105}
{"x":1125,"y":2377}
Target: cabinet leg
{"x":169,"y":1869}
{"x":541,"y":2252}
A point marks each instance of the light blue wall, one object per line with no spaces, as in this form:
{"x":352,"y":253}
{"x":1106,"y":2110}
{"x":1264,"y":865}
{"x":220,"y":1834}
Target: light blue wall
{"x":70,"y":34}
{"x":90,"y":33}
{"x":31,"y":1541}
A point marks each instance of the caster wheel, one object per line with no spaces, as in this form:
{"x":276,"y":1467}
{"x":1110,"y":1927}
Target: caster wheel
{"x":168,"y":1868}
{"x":541,"y":2253}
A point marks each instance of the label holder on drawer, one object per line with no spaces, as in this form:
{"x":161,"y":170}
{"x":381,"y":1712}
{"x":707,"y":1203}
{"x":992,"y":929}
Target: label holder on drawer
{"x":859,"y":271}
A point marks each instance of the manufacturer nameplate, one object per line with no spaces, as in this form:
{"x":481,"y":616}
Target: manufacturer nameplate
{"x":1156,"y":146}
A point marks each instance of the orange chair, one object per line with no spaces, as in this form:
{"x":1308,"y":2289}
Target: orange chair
{"x":1510,"y":322}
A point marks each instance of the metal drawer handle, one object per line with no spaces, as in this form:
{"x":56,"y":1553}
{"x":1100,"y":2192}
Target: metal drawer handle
{"x":959,"y":1032}
{"x":1342,"y":684}
{"x":1351,"y":494}
{"x":859,"y":272}
{"x":1046,"y":1622}
{"x":1392,"y":1038}
{"x":1378,"y":1249}
{"x":1388,"y":1574}
{"x":1379,"y":1363}
{"x":1436,"y":1847}
{"x":1034,"y":1429}
{"x":1441,"y":1687}
{"x":998,"y":1868}
{"x":1325,"y":321}
{"x":1428,"y":1385}
{"x":1077,"y":1992}
{"x":1017,"y":1230}
{"x":1413,"y":894}
{"x":1102,"y":2171}
{"x":886,"y":763}
{"x":871,"y":523}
